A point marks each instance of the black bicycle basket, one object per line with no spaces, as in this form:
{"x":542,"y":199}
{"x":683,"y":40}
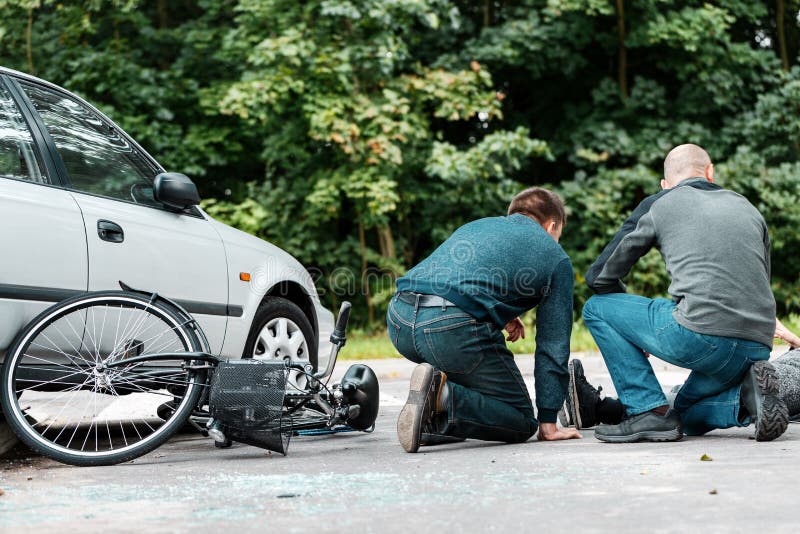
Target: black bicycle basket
{"x":247,"y":399}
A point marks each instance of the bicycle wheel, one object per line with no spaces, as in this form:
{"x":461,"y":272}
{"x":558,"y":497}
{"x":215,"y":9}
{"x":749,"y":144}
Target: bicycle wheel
{"x":63,"y":401}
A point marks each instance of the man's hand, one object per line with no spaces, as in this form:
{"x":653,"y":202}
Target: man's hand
{"x":781,"y":332}
{"x":550,"y":432}
{"x":515,"y":330}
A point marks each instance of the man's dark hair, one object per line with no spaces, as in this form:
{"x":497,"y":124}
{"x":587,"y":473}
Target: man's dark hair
{"x":541,"y":204}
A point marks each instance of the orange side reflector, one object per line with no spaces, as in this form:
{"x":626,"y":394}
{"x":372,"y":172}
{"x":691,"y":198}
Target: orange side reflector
{"x":244,"y":277}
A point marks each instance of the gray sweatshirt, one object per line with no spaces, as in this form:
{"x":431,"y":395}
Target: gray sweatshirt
{"x":716,"y":247}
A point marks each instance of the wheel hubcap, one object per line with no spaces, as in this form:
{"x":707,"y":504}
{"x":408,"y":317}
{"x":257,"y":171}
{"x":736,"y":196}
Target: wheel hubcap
{"x":282,"y":339}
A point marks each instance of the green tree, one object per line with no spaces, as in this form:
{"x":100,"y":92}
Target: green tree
{"x":351,"y":117}
{"x":360,"y":133}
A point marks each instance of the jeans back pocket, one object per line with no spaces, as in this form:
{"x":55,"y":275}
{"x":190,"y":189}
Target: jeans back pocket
{"x":401,"y":333}
{"x":454,"y":344}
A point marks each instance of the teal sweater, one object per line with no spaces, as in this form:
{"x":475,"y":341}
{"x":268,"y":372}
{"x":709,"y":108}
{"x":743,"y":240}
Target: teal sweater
{"x":496,"y":269}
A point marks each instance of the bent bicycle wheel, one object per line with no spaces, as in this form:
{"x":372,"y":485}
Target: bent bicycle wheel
{"x":63,"y":397}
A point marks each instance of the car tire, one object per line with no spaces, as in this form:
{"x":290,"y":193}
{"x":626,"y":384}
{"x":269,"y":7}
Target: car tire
{"x":280,"y":308}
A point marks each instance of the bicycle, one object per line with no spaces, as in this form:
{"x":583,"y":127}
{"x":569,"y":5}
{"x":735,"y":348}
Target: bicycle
{"x":106,"y":377}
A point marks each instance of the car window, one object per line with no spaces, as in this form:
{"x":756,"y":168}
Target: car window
{"x":18,"y":155}
{"x":98,"y":158}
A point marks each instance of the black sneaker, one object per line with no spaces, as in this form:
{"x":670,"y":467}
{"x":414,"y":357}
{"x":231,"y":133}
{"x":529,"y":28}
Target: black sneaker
{"x":579,"y":408}
{"x":431,"y":430}
{"x":423,"y":396}
{"x":647,"y":426}
{"x":760,"y":397}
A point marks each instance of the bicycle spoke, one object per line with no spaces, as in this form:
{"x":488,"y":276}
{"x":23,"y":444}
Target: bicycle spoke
{"x":133,"y":424}
{"x":57,"y":329}
{"x":124,"y":336}
{"x":122,"y":429}
{"x":31,"y":356}
{"x":108,"y":430}
{"x":78,"y":423}
{"x":60,"y":412}
{"x":66,"y":426}
{"x":153,"y":338}
{"x":120,"y":335}
{"x":93,"y":338}
{"x":69,"y":357}
{"x":116,"y":332}
{"x":103,"y":326}
{"x":79,"y":336}
{"x":73,"y":389}
{"x":39,"y":384}
{"x":132,"y":335}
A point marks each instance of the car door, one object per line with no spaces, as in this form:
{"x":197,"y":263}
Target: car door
{"x":130,"y":236}
{"x":42,"y":236}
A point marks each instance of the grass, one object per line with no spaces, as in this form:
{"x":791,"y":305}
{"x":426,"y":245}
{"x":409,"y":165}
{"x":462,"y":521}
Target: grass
{"x":363,"y":345}
{"x":369,"y":345}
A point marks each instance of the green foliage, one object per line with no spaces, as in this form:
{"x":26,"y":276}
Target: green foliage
{"x":775,"y":191}
{"x":495,"y":156}
{"x":362,"y":132}
{"x":596,"y":207}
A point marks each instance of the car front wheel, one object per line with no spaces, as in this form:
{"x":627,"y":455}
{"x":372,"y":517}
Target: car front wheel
{"x":281,"y":331}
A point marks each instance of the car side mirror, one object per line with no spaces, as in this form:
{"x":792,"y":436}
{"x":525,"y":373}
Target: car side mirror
{"x":175,"y":190}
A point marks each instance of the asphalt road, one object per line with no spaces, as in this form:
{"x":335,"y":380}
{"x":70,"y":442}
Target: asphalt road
{"x":366,"y":483}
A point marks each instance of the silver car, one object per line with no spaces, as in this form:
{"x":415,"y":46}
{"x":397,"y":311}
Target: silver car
{"x":81,"y":210}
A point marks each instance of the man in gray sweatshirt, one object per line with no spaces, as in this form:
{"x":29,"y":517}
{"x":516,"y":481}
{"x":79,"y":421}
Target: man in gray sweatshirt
{"x":719,"y":323}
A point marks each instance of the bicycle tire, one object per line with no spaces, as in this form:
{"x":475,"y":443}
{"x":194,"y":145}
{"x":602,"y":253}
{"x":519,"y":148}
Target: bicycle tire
{"x":13,"y":370}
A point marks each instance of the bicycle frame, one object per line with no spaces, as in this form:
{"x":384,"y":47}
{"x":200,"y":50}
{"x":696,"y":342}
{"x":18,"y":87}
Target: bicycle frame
{"x":205,"y":360}
{"x":338,"y":339}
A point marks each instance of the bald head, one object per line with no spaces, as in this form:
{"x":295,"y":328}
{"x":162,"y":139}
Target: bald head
{"x":686,"y":161}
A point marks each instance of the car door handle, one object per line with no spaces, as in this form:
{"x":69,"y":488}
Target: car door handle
{"x":110,"y":231}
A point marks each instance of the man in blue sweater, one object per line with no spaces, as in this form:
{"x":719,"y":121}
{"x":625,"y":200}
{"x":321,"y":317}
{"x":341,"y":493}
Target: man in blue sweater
{"x":448,"y":316}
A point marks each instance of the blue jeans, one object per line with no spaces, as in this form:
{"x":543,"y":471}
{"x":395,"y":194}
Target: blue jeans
{"x":625,"y":326}
{"x":488,"y":397}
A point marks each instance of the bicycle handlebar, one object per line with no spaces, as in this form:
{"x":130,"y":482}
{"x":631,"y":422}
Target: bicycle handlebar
{"x":338,"y":339}
{"x":339,"y":335}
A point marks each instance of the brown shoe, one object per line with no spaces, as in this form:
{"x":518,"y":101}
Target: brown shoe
{"x":423,"y":396}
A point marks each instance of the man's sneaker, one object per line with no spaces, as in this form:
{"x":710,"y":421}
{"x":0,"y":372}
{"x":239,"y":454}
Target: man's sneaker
{"x":579,"y":408}
{"x":647,"y":426}
{"x":760,"y":397}
{"x":423,"y":396}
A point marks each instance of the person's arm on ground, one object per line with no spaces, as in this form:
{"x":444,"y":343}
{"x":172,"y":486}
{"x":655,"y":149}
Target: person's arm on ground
{"x":781,"y":332}
{"x":632,"y":241}
{"x":553,"y":330}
